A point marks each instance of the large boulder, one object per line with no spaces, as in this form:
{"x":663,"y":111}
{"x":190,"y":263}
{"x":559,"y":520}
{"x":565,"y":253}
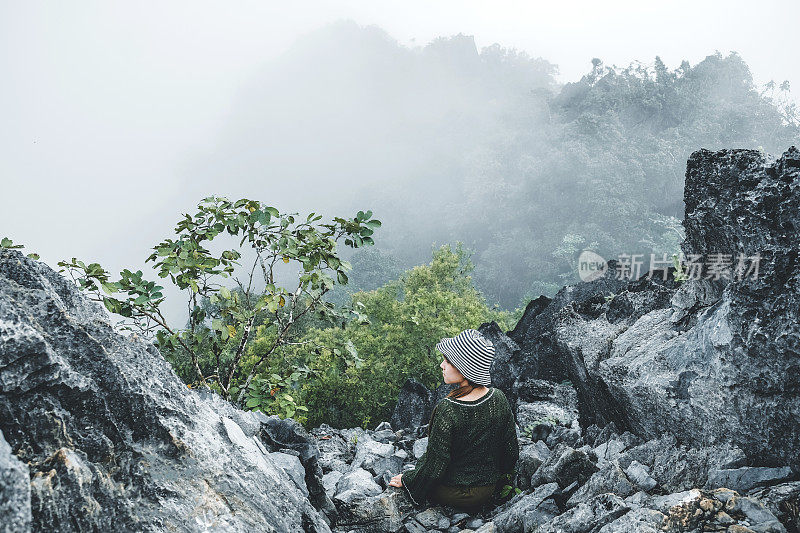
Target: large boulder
{"x":112,"y":439}
{"x":415,"y":403}
{"x":15,"y":492}
{"x":721,"y":364}
{"x":709,"y":361}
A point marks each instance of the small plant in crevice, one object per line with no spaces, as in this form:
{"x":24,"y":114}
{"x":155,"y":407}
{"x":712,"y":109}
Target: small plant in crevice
{"x":509,"y":488}
{"x":680,"y":276}
{"x":540,"y":428}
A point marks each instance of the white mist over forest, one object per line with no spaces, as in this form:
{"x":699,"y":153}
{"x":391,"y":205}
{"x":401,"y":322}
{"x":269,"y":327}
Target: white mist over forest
{"x":502,"y":132}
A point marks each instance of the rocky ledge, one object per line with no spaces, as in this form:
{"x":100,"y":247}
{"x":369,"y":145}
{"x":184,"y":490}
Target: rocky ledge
{"x":645,"y":405}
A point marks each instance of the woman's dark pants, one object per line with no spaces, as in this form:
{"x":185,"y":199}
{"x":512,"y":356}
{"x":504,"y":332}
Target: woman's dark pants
{"x":467,"y":499}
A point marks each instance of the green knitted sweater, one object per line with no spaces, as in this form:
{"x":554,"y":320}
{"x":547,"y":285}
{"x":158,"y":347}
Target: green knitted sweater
{"x":471,"y":443}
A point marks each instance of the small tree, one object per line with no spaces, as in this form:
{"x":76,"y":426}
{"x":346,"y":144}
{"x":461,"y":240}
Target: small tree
{"x":218,"y":334}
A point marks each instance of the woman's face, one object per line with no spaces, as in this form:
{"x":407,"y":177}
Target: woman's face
{"x":450,"y":373}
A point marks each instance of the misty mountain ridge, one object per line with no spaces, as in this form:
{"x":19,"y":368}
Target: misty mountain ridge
{"x":450,"y":143}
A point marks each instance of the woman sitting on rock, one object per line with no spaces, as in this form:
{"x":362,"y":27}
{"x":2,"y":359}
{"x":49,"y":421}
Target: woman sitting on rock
{"x":472,"y":438}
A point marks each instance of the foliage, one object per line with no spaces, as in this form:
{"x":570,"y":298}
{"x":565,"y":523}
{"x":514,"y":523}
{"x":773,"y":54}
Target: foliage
{"x":8,"y":243}
{"x":509,"y":488}
{"x":372,"y":268}
{"x":679,"y":275}
{"x":546,"y":420}
{"x":211,"y":349}
{"x":272,"y":395}
{"x":600,"y":161}
{"x":357,"y":368}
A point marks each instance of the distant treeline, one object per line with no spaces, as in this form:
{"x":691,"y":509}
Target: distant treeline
{"x":447,"y":143}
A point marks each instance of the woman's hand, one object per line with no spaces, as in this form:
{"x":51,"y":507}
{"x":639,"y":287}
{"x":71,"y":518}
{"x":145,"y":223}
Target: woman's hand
{"x":396,"y":481}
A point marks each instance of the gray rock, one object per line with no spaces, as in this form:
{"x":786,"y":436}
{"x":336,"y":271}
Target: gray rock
{"x":431,"y":518}
{"x":366,"y":447}
{"x":754,"y":510}
{"x":530,"y":458}
{"x":562,"y":435}
{"x":334,"y":449}
{"x":113,"y":440}
{"x":384,"y":426}
{"x":610,"y":450}
{"x":588,"y":516}
{"x":354,"y":485}
{"x":773,"y":526}
{"x":415,"y":403}
{"x":376,"y":457}
{"x":527,"y":389}
{"x":15,"y":492}
{"x":532,"y":413}
{"x":610,"y":478}
{"x":292,"y":466}
{"x":381,"y":513}
{"x":413,"y":527}
{"x":420,"y":445}
{"x":526,"y":511}
{"x":474,"y":523}
{"x":329,"y":481}
{"x":646,"y":453}
{"x":780,"y":500}
{"x":667,"y":502}
{"x":699,"y":384}
{"x":386,"y":435}
{"x":563,"y":466}
{"x":640,"y":476}
{"x":639,"y":520}
{"x":638,"y":499}
{"x":746,"y":478}
{"x":681,"y":469}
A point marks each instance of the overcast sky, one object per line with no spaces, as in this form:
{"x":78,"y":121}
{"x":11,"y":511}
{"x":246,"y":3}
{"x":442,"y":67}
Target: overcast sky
{"x":105,"y":103}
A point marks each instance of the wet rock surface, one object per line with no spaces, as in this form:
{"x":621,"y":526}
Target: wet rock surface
{"x":109,"y":436}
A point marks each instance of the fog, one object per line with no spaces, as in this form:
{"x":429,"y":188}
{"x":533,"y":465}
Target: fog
{"x":117,"y":117}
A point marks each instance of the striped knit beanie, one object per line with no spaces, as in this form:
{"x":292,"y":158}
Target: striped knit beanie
{"x":471,"y":353}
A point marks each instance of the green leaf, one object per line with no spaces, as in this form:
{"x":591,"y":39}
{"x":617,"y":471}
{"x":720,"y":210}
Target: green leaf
{"x":225,"y":292}
{"x":108,"y":288}
{"x":110,"y":305}
{"x":8,"y":243}
{"x":253,"y":402}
